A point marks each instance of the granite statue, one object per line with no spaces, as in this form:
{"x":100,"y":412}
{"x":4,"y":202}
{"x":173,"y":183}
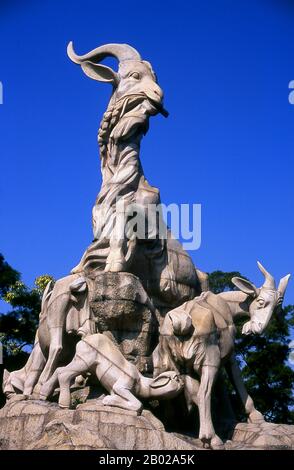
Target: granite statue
{"x":97,"y":354}
{"x":165,"y":269}
{"x":28,"y":380}
{"x":136,"y":292}
{"x":63,"y":320}
{"x":197,"y":338}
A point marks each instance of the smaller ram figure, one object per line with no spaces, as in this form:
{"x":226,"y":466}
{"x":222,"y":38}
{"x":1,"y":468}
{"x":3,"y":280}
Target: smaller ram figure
{"x":197,"y":338}
{"x":97,"y":354}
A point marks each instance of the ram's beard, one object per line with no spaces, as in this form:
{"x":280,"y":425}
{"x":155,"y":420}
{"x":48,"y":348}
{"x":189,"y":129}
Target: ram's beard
{"x":129,"y":103}
{"x":133,"y":118}
{"x":125,"y":118}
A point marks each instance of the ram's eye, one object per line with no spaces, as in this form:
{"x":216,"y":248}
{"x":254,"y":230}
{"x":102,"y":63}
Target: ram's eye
{"x":135,"y":75}
{"x":261,"y":302}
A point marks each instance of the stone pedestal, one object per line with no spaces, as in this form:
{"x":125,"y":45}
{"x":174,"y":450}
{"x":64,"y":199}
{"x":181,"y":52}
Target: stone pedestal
{"x":121,"y":309}
{"x":268,"y":436}
{"x":38,"y":425}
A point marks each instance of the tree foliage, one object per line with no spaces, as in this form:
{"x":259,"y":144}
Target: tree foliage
{"x":8,"y":276}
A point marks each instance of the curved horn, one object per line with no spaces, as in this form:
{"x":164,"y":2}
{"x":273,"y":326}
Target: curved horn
{"x":269,"y":282}
{"x":283,"y":284}
{"x":119,"y":51}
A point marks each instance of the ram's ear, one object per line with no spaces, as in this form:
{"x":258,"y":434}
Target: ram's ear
{"x":101,"y":73}
{"x":160,"y":381}
{"x":246,"y":286}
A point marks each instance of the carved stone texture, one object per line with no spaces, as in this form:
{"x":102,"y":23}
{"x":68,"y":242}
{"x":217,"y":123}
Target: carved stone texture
{"x":122,"y":309}
{"x":264,"y":435}
{"x":199,"y":337}
{"x":100,"y":356}
{"x":37,"y":425}
{"x":41,"y":425}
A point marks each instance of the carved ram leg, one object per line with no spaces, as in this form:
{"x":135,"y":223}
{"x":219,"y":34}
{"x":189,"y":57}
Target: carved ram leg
{"x":122,"y":398}
{"x":24,"y":380}
{"x":191,"y":389}
{"x":208,"y":373}
{"x":75,"y":368}
{"x":38,"y":361}
{"x":84,"y":357}
{"x":234,"y":373}
{"x":63,"y":376}
{"x":48,"y":387}
{"x":55,"y":348}
{"x":123,"y":240}
{"x":207,"y":432}
{"x":56,"y":317}
{"x":115,"y":261}
{"x":13,"y":383}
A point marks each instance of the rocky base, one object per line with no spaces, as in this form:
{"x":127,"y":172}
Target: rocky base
{"x":262,"y":436}
{"x":37,"y":425}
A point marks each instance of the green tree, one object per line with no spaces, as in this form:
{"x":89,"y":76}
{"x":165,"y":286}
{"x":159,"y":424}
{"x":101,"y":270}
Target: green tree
{"x":8,"y":276}
{"x":18,"y":326}
{"x":268,"y":377}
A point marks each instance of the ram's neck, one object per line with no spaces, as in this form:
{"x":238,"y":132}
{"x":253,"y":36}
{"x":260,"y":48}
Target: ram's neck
{"x":238,"y":303}
{"x":143,"y":386}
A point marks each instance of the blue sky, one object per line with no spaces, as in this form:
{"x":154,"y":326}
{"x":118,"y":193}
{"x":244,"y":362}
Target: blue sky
{"x":228,"y":143}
